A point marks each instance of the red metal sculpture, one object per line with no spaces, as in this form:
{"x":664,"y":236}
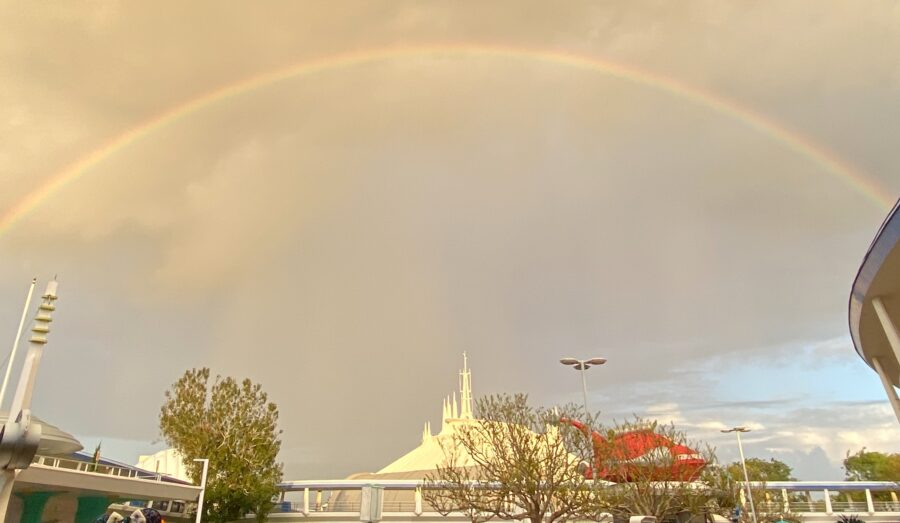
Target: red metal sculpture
{"x":641,"y":454}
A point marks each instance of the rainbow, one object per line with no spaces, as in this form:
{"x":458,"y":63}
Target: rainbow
{"x":828,"y":161}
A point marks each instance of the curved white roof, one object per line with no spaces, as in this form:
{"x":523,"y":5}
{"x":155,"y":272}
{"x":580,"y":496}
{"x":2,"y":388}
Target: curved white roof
{"x":878,"y":279}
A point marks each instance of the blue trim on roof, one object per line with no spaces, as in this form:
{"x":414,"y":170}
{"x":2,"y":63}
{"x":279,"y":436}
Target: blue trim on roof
{"x":141,"y":473}
{"x":886,"y":239}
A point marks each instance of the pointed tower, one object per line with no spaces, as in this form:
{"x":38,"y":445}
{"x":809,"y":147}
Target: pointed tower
{"x":455,"y":408}
{"x":455,"y":411}
{"x":465,"y":390}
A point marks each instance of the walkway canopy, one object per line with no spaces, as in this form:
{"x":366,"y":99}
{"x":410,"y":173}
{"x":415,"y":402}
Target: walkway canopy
{"x":875,"y":306}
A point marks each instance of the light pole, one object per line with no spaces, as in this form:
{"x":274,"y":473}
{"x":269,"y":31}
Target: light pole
{"x":737,"y":431}
{"x":202,"y":487}
{"x":584,"y":365}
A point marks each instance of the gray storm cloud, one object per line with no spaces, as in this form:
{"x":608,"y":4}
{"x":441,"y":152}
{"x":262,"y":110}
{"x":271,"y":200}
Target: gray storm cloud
{"x":342,"y":237}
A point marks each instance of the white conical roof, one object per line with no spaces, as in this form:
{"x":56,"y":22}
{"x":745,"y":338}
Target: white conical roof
{"x":429,"y":453}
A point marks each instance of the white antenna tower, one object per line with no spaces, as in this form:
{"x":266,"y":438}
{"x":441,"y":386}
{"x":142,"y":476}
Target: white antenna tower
{"x":465,"y":390}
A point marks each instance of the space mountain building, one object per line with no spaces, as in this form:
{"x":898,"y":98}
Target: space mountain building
{"x":423,"y":459}
{"x":456,"y":411}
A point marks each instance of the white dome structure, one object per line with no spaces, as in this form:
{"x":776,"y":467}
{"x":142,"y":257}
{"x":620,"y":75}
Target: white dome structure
{"x":430,"y":453}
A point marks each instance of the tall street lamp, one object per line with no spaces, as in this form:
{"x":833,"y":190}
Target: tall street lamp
{"x":584,"y":365}
{"x":737,"y":431}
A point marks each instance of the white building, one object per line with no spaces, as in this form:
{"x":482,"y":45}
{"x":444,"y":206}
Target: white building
{"x":166,"y":462}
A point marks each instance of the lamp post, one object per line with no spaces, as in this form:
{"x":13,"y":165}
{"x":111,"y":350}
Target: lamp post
{"x":202,"y":487}
{"x":737,"y":431}
{"x":584,"y":365}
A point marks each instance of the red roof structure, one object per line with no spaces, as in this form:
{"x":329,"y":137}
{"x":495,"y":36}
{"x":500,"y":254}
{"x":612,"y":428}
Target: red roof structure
{"x":641,"y":454}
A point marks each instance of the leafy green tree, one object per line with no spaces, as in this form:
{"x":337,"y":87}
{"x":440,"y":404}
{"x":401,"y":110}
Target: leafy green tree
{"x":872,"y":466}
{"x":233,"y":425}
{"x":762,"y":470}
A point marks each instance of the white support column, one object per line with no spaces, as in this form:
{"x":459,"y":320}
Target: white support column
{"x":12,"y":354}
{"x":784,"y":500}
{"x":890,"y":330}
{"x":888,"y":387}
{"x":203,"y":478}
{"x":306,"y":501}
{"x":869,"y":505}
{"x":418,"y":508}
{"x":893,"y":337}
{"x":828,"y":509}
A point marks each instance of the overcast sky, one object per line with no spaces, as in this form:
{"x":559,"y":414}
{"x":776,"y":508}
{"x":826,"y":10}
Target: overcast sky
{"x":343,"y":236}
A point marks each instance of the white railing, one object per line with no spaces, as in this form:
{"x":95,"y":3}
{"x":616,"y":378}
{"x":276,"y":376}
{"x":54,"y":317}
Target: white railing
{"x":343,"y":506}
{"x":836,"y":506}
{"x":318,"y":498}
{"x":861,"y":506}
{"x":96,"y":468}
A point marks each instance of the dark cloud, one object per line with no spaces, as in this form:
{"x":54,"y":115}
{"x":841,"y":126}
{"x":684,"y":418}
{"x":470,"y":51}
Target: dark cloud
{"x":343,"y":237}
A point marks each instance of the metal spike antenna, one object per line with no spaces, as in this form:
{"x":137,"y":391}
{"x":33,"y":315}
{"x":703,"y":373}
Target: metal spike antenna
{"x":465,"y":389}
{"x":12,"y":354}
{"x":40,"y":329}
{"x":20,"y":436}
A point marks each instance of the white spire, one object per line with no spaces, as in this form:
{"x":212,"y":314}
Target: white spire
{"x":455,"y":407}
{"x":426,"y":433}
{"x":463,"y":409}
{"x":465,"y":389}
{"x":445,"y":415}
